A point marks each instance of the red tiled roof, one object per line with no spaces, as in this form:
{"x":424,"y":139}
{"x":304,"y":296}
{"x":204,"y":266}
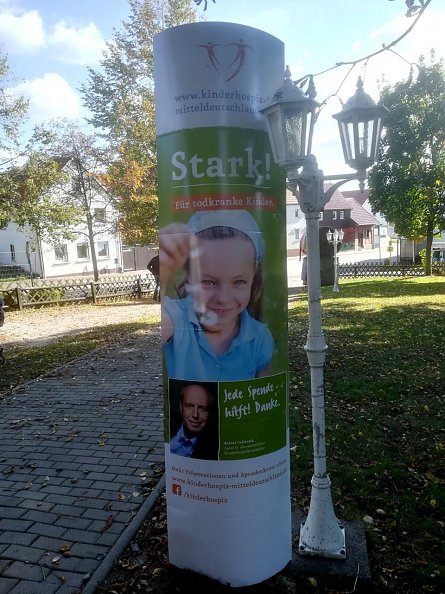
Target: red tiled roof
{"x":360,"y":197}
{"x":344,"y":201}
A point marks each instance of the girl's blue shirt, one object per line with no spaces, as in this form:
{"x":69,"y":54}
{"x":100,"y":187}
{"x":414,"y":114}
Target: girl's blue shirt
{"x":188,"y":354}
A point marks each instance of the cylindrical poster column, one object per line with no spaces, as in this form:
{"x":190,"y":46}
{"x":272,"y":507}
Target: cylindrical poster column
{"x":224,"y":302}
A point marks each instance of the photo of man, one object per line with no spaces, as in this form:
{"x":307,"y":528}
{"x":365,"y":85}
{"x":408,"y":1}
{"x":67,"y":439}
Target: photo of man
{"x":197,"y":434}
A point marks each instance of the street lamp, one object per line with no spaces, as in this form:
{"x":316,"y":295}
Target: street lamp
{"x":290,"y":121}
{"x":335,"y":237}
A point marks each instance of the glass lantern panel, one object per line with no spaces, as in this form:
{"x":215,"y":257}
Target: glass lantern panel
{"x":294,"y":133}
{"x":276,"y":134}
{"x":348,"y":136}
{"x":365,"y":134}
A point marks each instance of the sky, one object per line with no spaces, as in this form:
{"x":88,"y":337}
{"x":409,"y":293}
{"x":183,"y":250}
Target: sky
{"x":50,"y":44}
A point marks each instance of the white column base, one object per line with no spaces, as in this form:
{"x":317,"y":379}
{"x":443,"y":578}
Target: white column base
{"x":322,"y":534}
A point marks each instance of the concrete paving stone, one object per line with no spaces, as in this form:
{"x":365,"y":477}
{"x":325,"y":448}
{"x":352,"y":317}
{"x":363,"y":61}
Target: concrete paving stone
{"x":20,"y":477}
{"x":37,"y":505}
{"x":4,"y":564}
{"x":47,"y":530}
{"x":54,"y":480}
{"x":79,"y":492}
{"x":40,"y":516}
{"x":69,"y":563}
{"x":66,"y":578}
{"x":84,"y":536}
{"x":67,"y":590}
{"x":107,"y":485}
{"x":122,"y":471}
{"x":13,"y":524}
{"x":94,"y":514}
{"x":28,"y":494}
{"x":77,"y":482}
{"x":11,"y":512}
{"x":57,"y":489}
{"x":24,"y":571}
{"x":69,"y":522}
{"x":85,"y":566}
{"x":14,"y":537}
{"x":91,"y":503}
{"x":61,"y":498}
{"x":65,"y":458}
{"x":100,"y":514}
{"x":124,"y":506}
{"x":34,"y":588}
{"x":104,"y":527}
{"x":8,"y":500}
{"x":107,"y":539}
{"x":65,"y":510}
{"x":6,"y":585}
{"x":101,"y":453}
{"x":22,"y":553}
{"x":88,"y":551}
{"x":47,"y":543}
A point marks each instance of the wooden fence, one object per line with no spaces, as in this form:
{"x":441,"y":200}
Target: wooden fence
{"x":45,"y":292}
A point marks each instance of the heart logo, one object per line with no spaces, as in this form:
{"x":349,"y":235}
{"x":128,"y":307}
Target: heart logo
{"x":228,"y":60}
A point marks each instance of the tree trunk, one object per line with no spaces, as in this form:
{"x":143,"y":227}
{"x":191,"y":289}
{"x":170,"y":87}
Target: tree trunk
{"x":92,"y":246}
{"x":428,"y":249}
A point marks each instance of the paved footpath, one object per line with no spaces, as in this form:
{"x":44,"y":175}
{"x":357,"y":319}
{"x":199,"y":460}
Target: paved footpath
{"x":80,"y":451}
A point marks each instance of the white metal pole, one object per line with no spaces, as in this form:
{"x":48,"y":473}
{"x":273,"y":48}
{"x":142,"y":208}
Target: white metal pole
{"x":321,"y":534}
{"x":335,"y":289}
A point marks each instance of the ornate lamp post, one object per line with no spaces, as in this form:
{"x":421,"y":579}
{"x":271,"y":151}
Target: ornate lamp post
{"x":335,"y":237}
{"x":290,"y":121}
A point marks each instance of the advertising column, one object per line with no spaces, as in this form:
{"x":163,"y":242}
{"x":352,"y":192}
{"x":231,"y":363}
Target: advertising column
{"x":224,"y":302}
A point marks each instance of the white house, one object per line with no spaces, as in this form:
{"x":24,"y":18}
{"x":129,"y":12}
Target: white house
{"x":20,"y":248}
{"x":295,"y":225}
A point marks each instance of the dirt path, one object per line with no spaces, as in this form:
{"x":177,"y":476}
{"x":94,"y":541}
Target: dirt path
{"x":48,"y":324}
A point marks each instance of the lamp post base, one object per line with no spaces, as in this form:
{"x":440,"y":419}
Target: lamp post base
{"x":322,"y":534}
{"x":320,"y":552}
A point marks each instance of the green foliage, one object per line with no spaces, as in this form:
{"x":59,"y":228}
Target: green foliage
{"x":29,"y":202}
{"x":407,"y":184}
{"x":120,"y":97}
{"x":12,"y":111}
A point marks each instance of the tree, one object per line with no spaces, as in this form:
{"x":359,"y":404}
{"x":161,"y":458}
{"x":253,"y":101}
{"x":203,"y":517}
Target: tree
{"x":407,"y":184}
{"x":82,"y":191}
{"x":120,"y":97}
{"x":12,"y":111}
{"x":23,"y":187}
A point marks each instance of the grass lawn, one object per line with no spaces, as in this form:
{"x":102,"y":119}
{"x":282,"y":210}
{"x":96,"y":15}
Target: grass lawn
{"x":385,"y":393}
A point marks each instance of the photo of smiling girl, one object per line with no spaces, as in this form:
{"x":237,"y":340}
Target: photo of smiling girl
{"x":213,"y":330}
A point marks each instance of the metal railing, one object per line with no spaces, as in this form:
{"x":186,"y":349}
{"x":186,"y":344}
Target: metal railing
{"x":366,"y":269}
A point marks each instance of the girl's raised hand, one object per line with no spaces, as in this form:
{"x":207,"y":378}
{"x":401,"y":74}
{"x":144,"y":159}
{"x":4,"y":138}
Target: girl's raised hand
{"x":175,"y":243}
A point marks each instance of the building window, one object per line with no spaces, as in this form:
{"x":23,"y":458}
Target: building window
{"x":100,"y":215}
{"x":334,"y":215}
{"x":83,"y":251}
{"x":102,"y":249}
{"x":297,"y":213}
{"x":297,"y":233}
{"x":342,"y":214}
{"x":383,"y":231}
{"x":61,"y":252}
{"x":12,"y":250}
